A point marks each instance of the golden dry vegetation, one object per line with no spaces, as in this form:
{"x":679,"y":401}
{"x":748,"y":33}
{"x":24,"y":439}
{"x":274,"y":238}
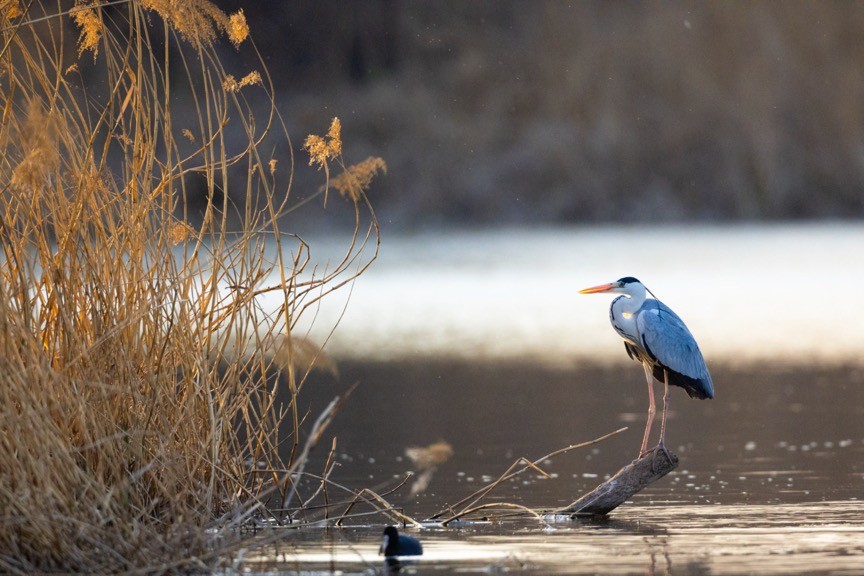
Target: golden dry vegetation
{"x":140,"y":422}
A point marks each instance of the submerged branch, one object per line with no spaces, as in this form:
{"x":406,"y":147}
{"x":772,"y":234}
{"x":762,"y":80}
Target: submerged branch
{"x":632,"y":478}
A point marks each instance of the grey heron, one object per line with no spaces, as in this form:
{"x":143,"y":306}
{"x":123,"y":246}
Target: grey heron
{"x":658,"y":339}
{"x":396,"y":544}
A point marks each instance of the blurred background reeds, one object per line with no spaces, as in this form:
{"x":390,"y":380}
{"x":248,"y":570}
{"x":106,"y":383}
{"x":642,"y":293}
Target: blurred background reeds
{"x":558,"y":112}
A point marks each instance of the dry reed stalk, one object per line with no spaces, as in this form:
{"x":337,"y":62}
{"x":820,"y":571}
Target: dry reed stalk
{"x":493,"y":506}
{"x":326,"y":506}
{"x":470,"y":501}
{"x":381,"y":505}
{"x":135,"y":409}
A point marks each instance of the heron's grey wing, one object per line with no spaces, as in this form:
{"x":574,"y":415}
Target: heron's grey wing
{"x":666,"y":337}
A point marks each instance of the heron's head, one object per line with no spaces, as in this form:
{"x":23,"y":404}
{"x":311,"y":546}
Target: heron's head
{"x":627,"y":286}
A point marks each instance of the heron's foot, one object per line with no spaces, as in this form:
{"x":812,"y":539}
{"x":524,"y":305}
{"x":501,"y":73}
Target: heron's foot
{"x":661,"y":446}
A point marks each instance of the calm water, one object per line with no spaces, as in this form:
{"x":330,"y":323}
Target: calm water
{"x":642,"y":540}
{"x":479,"y":340}
{"x":771,"y":435}
{"x":771,"y":477}
{"x":746,"y":292}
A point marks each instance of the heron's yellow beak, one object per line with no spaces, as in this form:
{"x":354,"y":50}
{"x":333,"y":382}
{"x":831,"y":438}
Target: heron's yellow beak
{"x":598,"y":289}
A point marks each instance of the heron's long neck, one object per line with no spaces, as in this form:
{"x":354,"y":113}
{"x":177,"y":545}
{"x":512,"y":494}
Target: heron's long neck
{"x":636,"y":293}
{"x":622,"y":310}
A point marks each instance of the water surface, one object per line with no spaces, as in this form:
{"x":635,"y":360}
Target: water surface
{"x":479,"y":339}
{"x":641,"y":540}
{"x":751,"y":292}
{"x":770,"y":480}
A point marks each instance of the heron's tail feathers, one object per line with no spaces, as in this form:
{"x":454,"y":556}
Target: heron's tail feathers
{"x":701,"y":388}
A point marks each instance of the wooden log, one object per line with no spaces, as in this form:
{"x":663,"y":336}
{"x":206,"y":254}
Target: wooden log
{"x":623,"y":485}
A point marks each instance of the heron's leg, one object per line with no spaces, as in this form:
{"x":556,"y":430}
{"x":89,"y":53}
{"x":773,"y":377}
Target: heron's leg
{"x":662,"y":444}
{"x":649,"y":377}
{"x":665,"y":408}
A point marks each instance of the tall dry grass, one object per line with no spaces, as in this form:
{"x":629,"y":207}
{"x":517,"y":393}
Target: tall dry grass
{"x":138,"y":429}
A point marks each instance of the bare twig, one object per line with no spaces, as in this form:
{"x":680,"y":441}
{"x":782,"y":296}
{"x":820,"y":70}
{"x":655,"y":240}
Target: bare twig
{"x":318,"y":428}
{"x":492,"y":505}
{"x":322,"y":485}
{"x":386,"y":508}
{"x":479,"y":494}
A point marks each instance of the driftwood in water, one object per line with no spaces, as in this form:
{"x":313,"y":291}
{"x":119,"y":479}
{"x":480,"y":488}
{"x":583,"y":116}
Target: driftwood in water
{"x":626,"y":482}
